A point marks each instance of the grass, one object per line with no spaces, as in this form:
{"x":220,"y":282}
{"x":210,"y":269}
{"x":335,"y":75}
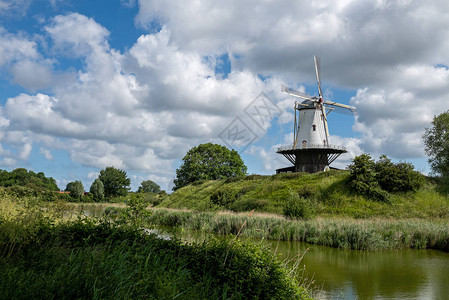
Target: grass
{"x":361,"y":234}
{"x":328,"y":193}
{"x":42,"y":255}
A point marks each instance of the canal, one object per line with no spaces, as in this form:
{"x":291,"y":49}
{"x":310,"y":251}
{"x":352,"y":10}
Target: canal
{"x":353,"y":274}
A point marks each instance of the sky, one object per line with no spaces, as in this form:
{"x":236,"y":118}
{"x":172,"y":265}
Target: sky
{"x":135,"y":84}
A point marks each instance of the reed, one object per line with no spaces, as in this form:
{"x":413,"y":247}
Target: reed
{"x":361,"y":234}
{"x":44,"y":257}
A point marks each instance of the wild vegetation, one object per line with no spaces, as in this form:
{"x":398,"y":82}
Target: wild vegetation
{"x":327,"y":194}
{"x":362,"y":234}
{"x":44,"y":255}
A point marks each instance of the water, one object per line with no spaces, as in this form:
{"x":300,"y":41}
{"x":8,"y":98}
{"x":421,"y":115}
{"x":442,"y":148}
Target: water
{"x":352,"y":274}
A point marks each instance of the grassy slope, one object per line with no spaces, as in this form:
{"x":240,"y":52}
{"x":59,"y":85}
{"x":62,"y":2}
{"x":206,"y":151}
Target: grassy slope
{"x":328,"y":193}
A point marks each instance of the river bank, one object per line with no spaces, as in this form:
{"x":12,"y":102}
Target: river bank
{"x":344,"y":233}
{"x":45,"y":255}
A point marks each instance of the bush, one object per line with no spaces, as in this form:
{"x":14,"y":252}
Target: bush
{"x":363,"y":174}
{"x":222,"y":198}
{"x":376,"y":179}
{"x":400,"y":177}
{"x":297,"y":207}
{"x":86,"y":260}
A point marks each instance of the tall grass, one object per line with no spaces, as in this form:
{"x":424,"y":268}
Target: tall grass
{"x":45,"y":257}
{"x":373,"y":234}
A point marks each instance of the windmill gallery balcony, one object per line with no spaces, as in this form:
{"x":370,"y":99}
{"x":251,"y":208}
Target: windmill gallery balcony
{"x":309,"y":158}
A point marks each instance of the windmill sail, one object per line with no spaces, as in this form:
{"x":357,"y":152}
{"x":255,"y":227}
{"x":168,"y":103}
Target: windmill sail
{"x":340,"y":108}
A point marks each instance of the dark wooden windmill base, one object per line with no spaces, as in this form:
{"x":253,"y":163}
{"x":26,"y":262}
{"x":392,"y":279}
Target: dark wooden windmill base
{"x":310,"y":160}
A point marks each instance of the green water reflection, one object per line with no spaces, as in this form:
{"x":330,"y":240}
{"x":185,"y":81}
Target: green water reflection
{"x":351,"y":274}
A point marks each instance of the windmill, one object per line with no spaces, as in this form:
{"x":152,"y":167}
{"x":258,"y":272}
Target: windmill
{"x":311,"y":151}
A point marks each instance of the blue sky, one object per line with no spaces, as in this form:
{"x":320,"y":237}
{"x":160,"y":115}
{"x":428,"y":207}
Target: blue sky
{"x":135,"y":84}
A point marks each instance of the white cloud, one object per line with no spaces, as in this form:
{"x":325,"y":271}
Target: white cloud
{"x":77,"y":34}
{"x":15,"y":47}
{"x":31,"y":74}
{"x":145,"y":107}
{"x":93,"y":175}
{"x":137,"y":110}
{"x":46,"y":153}
{"x":14,"y":7}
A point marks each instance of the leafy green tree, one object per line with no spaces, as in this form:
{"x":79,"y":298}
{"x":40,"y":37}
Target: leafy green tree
{"x":115,"y":182}
{"x":363,"y":173}
{"x":364,"y":180}
{"x":436,"y":141}
{"x":23,"y":177}
{"x":149,"y":186}
{"x":376,"y":179}
{"x":400,"y":177}
{"x":97,"y":190}
{"x":75,"y":188}
{"x":209,"y":161}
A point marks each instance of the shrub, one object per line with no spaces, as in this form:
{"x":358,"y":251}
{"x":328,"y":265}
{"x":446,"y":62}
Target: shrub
{"x":376,"y":179}
{"x":297,"y":207}
{"x":400,"y":177}
{"x":222,"y":198}
{"x":363,"y":174}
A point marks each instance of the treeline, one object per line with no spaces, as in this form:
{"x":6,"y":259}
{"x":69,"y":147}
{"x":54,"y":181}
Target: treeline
{"x":112,"y":183}
{"x":25,"y":178}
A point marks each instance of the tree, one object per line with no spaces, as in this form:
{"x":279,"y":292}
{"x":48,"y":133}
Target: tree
{"x":27,"y":178}
{"x":363,"y":174}
{"x":436,"y":141}
{"x":115,"y":182}
{"x":97,"y":190}
{"x":399,"y":177}
{"x":148,"y":186}
{"x":75,"y":188}
{"x":209,"y":161}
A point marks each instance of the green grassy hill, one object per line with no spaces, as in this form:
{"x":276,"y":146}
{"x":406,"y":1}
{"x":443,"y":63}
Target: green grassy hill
{"x":327,"y":194}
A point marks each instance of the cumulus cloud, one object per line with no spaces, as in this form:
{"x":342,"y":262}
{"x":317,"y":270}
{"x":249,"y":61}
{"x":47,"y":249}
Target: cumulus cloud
{"x":143,"y":107}
{"x":31,"y":74}
{"x":135,"y":110}
{"x":15,"y":47}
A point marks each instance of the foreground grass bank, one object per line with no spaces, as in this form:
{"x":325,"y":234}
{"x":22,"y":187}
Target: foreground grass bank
{"x":362,"y":234}
{"x":327,"y":194}
{"x":45,"y":257}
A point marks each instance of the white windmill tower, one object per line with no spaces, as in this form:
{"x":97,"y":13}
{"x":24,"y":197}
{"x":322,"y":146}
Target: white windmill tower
{"x":311,"y":151}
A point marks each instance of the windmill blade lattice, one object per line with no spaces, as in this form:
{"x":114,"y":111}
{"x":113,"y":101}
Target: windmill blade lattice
{"x":317,"y":61}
